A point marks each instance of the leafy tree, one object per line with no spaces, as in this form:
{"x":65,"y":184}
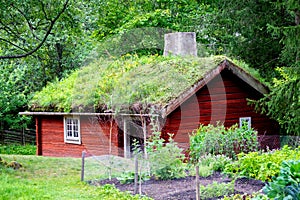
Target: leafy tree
{"x":26,"y":25}
{"x":13,"y":96}
{"x":45,"y":40}
{"x":136,"y":17}
{"x":266,"y":35}
{"x":283,"y":103}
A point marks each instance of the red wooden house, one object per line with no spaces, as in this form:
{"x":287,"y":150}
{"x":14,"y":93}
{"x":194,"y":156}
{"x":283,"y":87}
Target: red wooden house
{"x":219,"y":92}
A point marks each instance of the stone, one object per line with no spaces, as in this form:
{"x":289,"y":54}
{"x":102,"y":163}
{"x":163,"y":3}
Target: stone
{"x":180,"y":43}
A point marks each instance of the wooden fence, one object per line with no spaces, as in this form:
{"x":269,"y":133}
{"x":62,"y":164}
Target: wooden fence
{"x":13,"y":136}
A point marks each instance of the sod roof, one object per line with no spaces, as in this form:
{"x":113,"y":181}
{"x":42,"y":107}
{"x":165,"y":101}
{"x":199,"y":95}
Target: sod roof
{"x":125,"y":83}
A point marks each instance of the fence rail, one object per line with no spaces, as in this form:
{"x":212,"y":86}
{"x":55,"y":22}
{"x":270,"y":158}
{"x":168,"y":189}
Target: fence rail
{"x":14,"y":136}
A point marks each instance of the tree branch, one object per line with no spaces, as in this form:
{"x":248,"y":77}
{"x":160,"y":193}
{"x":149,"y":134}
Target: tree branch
{"x":52,"y":22}
{"x":8,"y":30}
{"x":28,"y":22}
{"x":9,"y":42}
{"x":43,"y":9}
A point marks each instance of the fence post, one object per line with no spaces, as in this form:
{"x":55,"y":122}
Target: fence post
{"x":136,"y":173}
{"x":23,"y":136}
{"x":82,"y":165}
{"x":1,"y":136}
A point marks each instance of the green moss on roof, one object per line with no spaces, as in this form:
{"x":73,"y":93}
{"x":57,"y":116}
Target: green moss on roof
{"x":117,"y":84}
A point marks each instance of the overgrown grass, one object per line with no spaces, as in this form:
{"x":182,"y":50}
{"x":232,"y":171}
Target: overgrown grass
{"x":51,"y":178}
{"x":18,"y":149}
{"x":124,"y":82}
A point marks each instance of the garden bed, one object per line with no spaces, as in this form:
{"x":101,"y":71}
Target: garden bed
{"x":184,"y":188}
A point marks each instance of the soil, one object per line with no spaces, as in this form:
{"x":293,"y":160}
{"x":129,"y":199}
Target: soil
{"x":184,"y":188}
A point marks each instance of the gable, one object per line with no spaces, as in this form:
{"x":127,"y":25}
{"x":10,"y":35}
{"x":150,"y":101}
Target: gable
{"x":225,"y":65}
{"x":223,"y":100}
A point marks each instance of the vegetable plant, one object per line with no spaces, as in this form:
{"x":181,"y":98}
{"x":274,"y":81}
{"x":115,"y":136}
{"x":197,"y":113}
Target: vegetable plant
{"x":287,"y":184}
{"x":262,"y":165}
{"x":166,"y":159}
{"x":219,"y":140}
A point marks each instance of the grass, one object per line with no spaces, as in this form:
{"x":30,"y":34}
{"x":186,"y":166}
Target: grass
{"x":52,"y":178}
{"x":123,"y":82}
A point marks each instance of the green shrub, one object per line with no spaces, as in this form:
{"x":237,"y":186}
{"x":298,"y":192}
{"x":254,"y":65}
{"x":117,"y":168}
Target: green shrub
{"x":254,"y":196}
{"x":262,"y":166}
{"x":110,"y":192}
{"x":166,"y":159}
{"x":129,"y":177}
{"x":216,"y":190}
{"x":219,"y":140}
{"x":217,"y":162}
{"x":18,"y":149}
{"x":204,"y":170}
{"x":287,"y":184}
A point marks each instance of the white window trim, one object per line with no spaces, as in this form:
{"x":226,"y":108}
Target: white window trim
{"x":247,"y":119}
{"x":71,"y":139}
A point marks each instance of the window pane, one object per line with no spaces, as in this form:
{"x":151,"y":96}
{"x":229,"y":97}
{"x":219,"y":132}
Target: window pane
{"x":72,"y":130}
{"x":75,"y":133}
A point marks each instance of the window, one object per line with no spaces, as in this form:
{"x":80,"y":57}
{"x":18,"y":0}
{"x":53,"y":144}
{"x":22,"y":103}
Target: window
{"x":72,"y":130}
{"x":245,"y":120}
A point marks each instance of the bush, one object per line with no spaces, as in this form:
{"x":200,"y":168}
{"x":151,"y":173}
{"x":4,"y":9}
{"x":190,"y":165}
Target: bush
{"x":204,"y":170}
{"x":217,"y":162}
{"x":129,"y":177}
{"x":216,"y":190}
{"x":18,"y":149}
{"x":254,"y":196}
{"x":166,"y":160}
{"x":287,"y":184}
{"x":219,"y":140}
{"x":110,"y":192}
{"x":262,"y":166}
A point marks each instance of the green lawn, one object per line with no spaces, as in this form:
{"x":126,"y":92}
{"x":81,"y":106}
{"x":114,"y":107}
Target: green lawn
{"x":53,"y":178}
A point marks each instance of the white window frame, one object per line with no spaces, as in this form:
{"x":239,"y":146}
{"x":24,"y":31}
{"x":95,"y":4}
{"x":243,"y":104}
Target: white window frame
{"x":247,"y":119}
{"x":72,"y":130}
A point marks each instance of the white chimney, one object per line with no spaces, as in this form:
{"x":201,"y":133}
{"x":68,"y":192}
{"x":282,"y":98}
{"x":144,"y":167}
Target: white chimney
{"x":180,"y":43}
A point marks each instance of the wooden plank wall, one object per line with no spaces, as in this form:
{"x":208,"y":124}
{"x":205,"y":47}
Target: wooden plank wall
{"x":224,"y":99}
{"x":94,"y":138}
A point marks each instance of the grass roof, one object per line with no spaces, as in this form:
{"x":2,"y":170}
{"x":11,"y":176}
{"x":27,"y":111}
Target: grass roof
{"x":120,"y":84}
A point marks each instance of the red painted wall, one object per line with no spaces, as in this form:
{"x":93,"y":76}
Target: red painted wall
{"x":94,"y":137}
{"x":224,"y":99}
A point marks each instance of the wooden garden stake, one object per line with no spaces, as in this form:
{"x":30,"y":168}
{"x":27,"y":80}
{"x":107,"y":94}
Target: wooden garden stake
{"x":197,"y":183}
{"x":136,"y":173}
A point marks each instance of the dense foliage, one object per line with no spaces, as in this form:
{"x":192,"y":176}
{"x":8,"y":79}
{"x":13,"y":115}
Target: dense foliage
{"x":23,"y":28}
{"x":18,"y":149}
{"x":287,"y":184}
{"x":262,"y":166}
{"x":166,"y":160}
{"x":216,"y":162}
{"x":220,"y":140}
{"x":285,"y":108}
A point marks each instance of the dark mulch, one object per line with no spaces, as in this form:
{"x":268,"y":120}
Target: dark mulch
{"x":184,"y":188}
